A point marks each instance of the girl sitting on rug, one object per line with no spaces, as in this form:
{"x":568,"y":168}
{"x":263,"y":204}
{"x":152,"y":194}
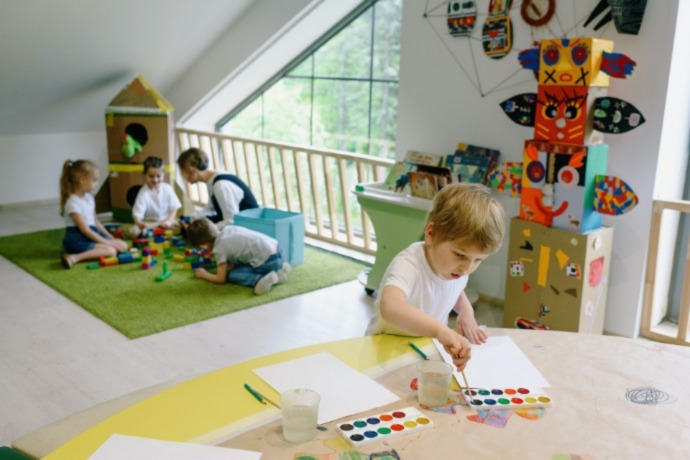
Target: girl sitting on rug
{"x":85,"y":237}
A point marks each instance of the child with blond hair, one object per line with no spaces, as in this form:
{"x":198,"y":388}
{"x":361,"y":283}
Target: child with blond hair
{"x":427,"y":280}
{"x":85,"y":236}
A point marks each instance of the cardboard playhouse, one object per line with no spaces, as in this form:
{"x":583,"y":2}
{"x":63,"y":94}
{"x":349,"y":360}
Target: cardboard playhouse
{"x":559,"y":254}
{"x":139,"y":123}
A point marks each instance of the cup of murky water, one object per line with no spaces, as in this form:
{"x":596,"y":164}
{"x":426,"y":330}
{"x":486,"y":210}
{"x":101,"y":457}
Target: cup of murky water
{"x":433,"y":382}
{"x":300,"y":412}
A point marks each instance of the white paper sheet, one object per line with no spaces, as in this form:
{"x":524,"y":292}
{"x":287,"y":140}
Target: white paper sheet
{"x":497,"y":363}
{"x":120,"y":447}
{"x":344,"y":391}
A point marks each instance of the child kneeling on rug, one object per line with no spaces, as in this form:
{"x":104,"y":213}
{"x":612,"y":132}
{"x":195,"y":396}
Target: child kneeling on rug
{"x":257,"y":258}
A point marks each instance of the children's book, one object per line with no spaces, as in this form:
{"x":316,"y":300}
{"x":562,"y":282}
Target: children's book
{"x":420,"y":158}
{"x":473,"y":150}
{"x":464,"y":168}
{"x":442,"y":174}
{"x":423,"y":185}
{"x":398,"y":180}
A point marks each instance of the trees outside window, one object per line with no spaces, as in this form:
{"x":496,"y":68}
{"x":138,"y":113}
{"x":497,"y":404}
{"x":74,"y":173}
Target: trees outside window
{"x":340,"y":94}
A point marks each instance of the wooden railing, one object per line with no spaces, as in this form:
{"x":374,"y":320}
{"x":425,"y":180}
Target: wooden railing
{"x":311,"y":181}
{"x":659,"y":271}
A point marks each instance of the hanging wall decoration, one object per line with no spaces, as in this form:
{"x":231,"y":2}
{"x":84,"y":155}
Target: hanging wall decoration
{"x":537,"y":13}
{"x":625,"y":14}
{"x":462,"y":15}
{"x":476,"y":50}
{"x":497,"y":33}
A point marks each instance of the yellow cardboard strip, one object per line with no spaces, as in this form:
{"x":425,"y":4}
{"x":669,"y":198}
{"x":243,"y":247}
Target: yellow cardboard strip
{"x":544,"y":257}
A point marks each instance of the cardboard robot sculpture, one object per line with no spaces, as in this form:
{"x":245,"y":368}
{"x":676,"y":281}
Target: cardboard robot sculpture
{"x":558,"y":252}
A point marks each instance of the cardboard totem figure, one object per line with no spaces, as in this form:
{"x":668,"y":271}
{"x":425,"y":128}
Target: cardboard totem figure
{"x":559,"y":254}
{"x":563,"y":179}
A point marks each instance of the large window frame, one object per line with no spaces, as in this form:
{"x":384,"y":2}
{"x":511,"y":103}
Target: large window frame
{"x":384,"y":144}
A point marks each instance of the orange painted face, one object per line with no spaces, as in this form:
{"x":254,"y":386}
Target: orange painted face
{"x":561,"y":114}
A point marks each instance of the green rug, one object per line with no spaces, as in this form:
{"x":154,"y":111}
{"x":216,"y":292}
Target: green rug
{"x":131,"y":301}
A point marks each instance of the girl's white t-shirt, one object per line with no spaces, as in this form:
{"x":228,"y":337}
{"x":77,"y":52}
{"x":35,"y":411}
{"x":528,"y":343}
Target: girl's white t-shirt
{"x":86,"y":206}
{"x":410,"y":271}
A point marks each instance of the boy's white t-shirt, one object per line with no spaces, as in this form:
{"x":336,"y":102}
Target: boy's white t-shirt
{"x":241,"y":245}
{"x":85,"y":206}
{"x":155,"y":206}
{"x":410,"y":271}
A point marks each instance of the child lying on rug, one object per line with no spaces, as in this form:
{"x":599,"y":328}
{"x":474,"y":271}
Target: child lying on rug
{"x":85,"y":237}
{"x":257,"y":258}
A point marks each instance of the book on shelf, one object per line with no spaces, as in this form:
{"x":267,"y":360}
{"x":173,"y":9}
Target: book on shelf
{"x":423,"y":185}
{"x":421,"y":158}
{"x":398,"y":179}
{"x":468,"y":168}
{"x":468,"y":150}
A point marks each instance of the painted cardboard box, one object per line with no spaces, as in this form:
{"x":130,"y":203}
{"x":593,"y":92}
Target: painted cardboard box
{"x":565,"y":114}
{"x":556,"y":279}
{"x":573,"y":62}
{"x":139,"y":123}
{"x":558,"y":184}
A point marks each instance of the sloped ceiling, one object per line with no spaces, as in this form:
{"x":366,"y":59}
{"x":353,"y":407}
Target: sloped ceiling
{"x":62,"y":61}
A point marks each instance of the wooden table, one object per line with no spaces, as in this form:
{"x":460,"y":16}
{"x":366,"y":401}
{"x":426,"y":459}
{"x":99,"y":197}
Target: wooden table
{"x":598,"y":386}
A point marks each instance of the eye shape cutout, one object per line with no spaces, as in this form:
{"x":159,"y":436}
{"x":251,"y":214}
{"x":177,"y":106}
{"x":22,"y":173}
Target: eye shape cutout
{"x":572,"y":112}
{"x":579,"y":54}
{"x":568,"y":177}
{"x":551,"y":55}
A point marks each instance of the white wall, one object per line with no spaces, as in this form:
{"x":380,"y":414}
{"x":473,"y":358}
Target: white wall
{"x":438,"y":107}
{"x":673,"y":158}
{"x":32,"y":164}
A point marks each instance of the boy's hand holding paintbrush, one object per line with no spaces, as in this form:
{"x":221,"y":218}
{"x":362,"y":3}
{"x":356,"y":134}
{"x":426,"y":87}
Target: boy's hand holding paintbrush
{"x":456,"y":346}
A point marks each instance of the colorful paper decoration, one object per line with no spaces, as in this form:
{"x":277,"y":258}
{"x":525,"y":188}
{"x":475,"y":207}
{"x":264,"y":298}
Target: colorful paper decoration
{"x":613,"y":196}
{"x":506,"y":178}
{"x":626,"y":15}
{"x":462,"y":15}
{"x":614,"y":116}
{"x":497,"y":33}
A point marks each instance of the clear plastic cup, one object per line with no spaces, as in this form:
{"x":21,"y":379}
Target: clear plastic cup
{"x":433,"y":382}
{"x":300,"y":412}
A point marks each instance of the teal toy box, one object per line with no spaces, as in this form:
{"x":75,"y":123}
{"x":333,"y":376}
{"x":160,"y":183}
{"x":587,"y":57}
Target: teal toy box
{"x":286,"y":227}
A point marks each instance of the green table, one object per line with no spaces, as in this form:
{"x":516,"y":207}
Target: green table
{"x":398,"y":221}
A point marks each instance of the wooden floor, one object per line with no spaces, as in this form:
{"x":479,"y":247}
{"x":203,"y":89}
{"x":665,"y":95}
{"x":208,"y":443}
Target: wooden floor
{"x":56,"y":359}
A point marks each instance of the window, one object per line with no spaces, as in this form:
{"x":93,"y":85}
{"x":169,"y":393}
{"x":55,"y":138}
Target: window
{"x":341,"y":94}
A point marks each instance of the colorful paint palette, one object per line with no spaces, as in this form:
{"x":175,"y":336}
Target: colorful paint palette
{"x":506,"y":398}
{"x":384,"y":426}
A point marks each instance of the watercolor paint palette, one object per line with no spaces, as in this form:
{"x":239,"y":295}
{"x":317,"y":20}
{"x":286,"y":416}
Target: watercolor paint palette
{"x":382,"y":427}
{"x":506,"y":398}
